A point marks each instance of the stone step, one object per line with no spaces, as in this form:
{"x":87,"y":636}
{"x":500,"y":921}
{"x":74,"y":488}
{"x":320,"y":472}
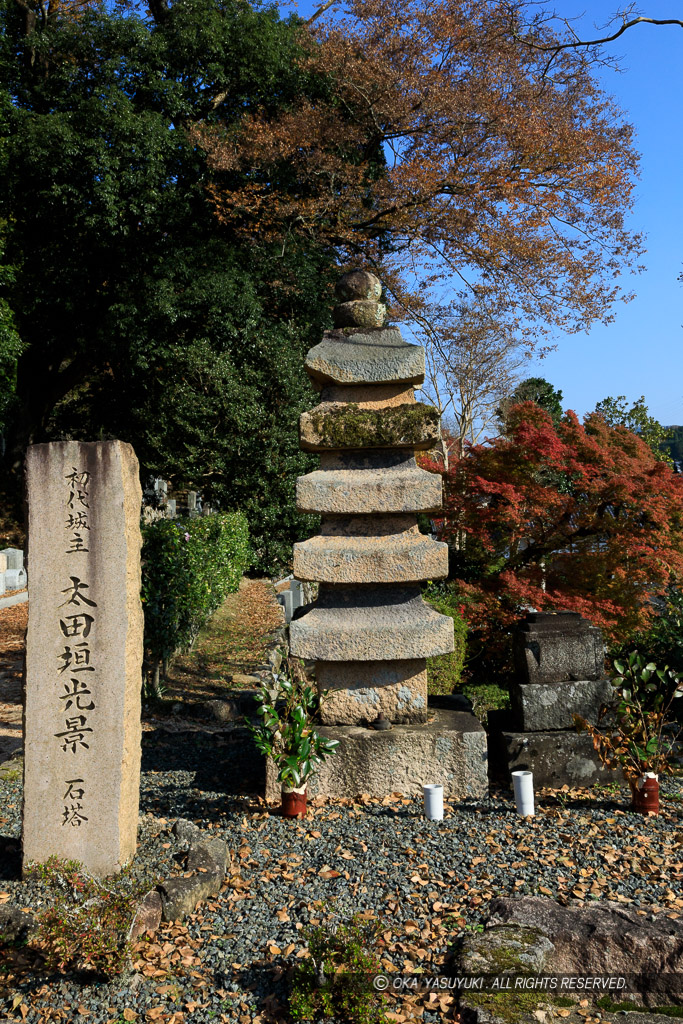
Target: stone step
{"x":395,"y":558}
{"x":345,"y":491}
{"x":369,"y":623}
{"x":332,"y":426}
{"x":352,"y":356}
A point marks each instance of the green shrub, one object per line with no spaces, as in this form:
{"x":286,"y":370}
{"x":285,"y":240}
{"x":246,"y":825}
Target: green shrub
{"x":337,"y":980}
{"x":87,"y":926}
{"x":444,"y":672}
{"x":188,"y":567}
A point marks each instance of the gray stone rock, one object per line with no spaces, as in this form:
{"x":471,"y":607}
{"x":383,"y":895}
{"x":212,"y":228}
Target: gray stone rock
{"x":554,"y":647}
{"x":147,"y":917}
{"x":378,"y":356}
{"x":186,"y":832}
{"x":207,"y":859}
{"x":361,"y":313}
{"x":603,"y":938}
{"x":16,"y":925}
{"x":209,"y":855}
{"x":367,"y":623}
{"x":556,"y":758}
{"x":543,"y":706}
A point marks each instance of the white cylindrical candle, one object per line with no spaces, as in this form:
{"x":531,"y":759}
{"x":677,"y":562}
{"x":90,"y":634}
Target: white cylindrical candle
{"x":523,"y":783}
{"x":433,"y":797}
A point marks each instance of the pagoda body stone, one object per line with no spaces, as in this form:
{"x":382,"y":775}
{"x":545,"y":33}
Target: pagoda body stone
{"x":369,"y":632}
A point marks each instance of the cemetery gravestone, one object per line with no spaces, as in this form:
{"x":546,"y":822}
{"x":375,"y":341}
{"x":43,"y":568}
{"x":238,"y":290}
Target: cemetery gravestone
{"x":83,"y":655}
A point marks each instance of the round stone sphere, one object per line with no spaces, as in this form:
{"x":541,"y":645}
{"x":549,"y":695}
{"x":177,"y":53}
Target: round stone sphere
{"x":360,"y":313}
{"x":358,"y":284}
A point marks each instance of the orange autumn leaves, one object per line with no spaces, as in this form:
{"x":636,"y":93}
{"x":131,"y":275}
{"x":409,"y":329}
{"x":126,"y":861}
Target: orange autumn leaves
{"x":434,"y":144}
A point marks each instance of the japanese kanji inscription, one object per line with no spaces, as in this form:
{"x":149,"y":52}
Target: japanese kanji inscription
{"x":83,"y":654}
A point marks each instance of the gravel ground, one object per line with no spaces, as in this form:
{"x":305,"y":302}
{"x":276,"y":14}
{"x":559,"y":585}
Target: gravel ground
{"x":425,"y":881}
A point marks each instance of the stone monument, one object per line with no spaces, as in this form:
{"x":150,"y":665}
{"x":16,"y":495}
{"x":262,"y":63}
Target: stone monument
{"x":83,"y":655}
{"x":560,"y":672}
{"x":370,"y":632}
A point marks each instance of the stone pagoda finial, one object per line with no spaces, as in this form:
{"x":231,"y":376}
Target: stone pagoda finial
{"x":359,"y":292}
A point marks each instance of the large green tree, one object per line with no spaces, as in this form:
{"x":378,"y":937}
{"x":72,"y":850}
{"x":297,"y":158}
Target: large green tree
{"x":138,"y":315}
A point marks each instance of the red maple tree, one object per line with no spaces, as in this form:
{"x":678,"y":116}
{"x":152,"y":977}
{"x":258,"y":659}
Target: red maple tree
{"x":579,"y":517}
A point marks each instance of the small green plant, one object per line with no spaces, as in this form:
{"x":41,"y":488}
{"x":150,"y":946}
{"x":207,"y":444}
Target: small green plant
{"x":444,"y":671}
{"x":87,"y":925}
{"x":337,"y":980}
{"x":287,"y":709}
{"x":633,"y":732}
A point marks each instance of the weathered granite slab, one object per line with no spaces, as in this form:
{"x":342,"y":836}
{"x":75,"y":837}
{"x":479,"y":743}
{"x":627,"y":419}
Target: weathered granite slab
{"x":368,"y":623}
{"x":556,"y":758}
{"x":360,"y":491}
{"x":83,"y":655}
{"x":354,"y":356}
{"x":554,"y":647}
{"x":360,"y":690}
{"x":449,"y":750}
{"x":332,"y":426}
{"x":542,"y":706}
{"x":384,"y":556}
{"x":602,"y":938}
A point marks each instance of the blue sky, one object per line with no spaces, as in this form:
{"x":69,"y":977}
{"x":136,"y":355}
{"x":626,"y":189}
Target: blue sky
{"x":640,"y":353}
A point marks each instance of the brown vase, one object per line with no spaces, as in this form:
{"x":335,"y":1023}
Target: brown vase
{"x":293,"y":802}
{"x":645,"y":794}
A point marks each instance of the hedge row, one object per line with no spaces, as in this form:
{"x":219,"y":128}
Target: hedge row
{"x":188,"y":567}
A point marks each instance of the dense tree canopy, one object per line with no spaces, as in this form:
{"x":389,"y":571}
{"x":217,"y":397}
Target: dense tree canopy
{"x":139,"y":316}
{"x":571,"y":516}
{"x":445,"y":150}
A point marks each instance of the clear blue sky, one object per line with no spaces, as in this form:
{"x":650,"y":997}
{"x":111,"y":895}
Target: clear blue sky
{"x":641,"y":353}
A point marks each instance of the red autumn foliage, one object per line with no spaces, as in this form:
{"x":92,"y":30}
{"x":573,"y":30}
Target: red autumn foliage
{"x":579,"y":517}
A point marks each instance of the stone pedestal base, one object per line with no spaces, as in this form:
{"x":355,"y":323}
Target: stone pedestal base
{"x":450,"y":750}
{"x":556,"y":758}
{"x":543,"y":706}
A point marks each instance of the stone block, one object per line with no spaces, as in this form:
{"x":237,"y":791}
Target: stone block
{"x":147,"y":917}
{"x":367,"y":623}
{"x":450,"y":750}
{"x":3,"y":563}
{"x":15,"y":579}
{"x":2,"y":583}
{"x":353,"y":356}
{"x":551,"y":647}
{"x":369,"y":491}
{"x":83,"y":655}
{"x":556,"y":758}
{"x":360,"y":690}
{"x":14,"y":556}
{"x":333,"y":426}
{"x":543,"y":706}
{"x":367,"y":550}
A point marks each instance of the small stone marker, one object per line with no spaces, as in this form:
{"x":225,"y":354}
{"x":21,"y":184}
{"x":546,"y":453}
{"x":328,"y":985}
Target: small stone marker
{"x":15,"y":558}
{"x":83,"y":655}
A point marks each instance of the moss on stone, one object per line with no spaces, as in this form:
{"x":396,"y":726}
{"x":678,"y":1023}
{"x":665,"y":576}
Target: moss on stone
{"x":511,"y":1007}
{"x":351,"y":426}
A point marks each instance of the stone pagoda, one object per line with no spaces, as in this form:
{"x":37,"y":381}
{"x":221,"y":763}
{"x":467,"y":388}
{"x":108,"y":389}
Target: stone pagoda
{"x":370,"y":632}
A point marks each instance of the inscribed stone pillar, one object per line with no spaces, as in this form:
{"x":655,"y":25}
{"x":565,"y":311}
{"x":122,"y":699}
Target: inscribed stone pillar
{"x":83,"y":655}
